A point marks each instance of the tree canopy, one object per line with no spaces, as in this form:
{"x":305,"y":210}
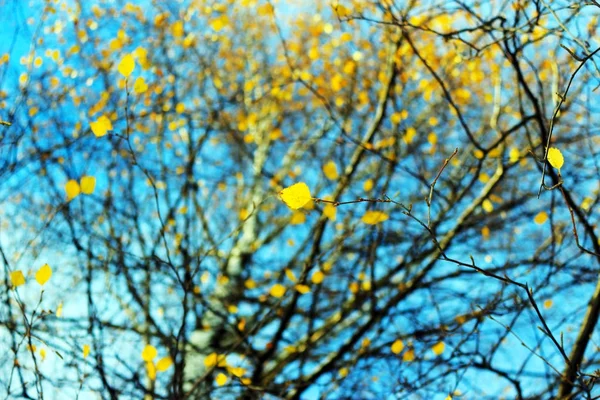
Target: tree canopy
{"x":299,"y":199}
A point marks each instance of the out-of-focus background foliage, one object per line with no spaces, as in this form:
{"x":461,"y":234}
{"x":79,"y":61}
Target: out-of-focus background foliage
{"x":143,"y":147}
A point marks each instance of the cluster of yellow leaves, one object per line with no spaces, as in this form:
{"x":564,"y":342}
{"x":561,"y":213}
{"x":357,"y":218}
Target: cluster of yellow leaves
{"x":42,"y":276}
{"x":149,"y":353}
{"x":86,"y":185}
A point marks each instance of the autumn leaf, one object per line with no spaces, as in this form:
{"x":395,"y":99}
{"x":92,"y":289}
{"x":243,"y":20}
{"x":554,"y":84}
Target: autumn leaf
{"x":72,"y":188}
{"x":317,"y":277}
{"x":296,"y":195}
{"x":126,"y":65}
{"x":277,"y":290}
{"x":330,"y":170}
{"x":164,"y":364}
{"x":374,"y":217}
{"x":221,"y":379}
{"x":101,"y":126}
{"x":140,"y":86}
{"x":17,"y":278}
{"x":86,"y":350}
{"x":397,"y":346}
{"x":149,"y":353}
{"x":541,"y":217}
{"x":555,"y":158}
{"x":87,"y":184}
{"x":438,"y":348}
{"x":43,"y":274}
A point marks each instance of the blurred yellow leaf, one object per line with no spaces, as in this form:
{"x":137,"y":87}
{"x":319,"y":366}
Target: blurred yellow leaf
{"x":87,"y":184}
{"x":330,"y":211}
{"x":438,"y":348}
{"x":221,"y":379}
{"x":555,"y":158}
{"x":548,"y":303}
{"x":298,"y":218}
{"x":140,"y":86}
{"x":149,"y":353}
{"x":541,"y":217}
{"x":487,"y":206}
{"x":296,"y":195}
{"x":43,"y":274}
{"x":277,"y":290}
{"x":101,"y":126}
{"x":303,"y":289}
{"x":374,"y":217}
{"x":317,"y":277}
{"x":126,"y":65}
{"x":17,"y":278}
{"x":397,"y":346}
{"x":72,"y":188}
{"x":86,"y":350}
{"x":368,"y":185}
{"x":409,"y":356}
{"x":151,"y":370}
{"x":164,"y":364}
{"x":330,"y":170}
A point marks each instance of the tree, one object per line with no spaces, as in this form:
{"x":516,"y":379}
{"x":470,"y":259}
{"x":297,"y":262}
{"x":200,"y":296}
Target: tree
{"x":254,"y":199}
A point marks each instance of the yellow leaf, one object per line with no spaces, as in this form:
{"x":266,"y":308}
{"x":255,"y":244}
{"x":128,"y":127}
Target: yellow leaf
{"x":343,"y":372}
{"x":17,"y":278}
{"x":555,"y":158}
{"x":397,"y":346}
{"x":448,"y":397}
{"x":43,"y":354}
{"x":330,"y":211}
{"x":140,"y":85}
{"x":298,"y":218}
{"x":514,"y":155}
{"x":374,"y":217}
{"x":409,"y":356}
{"x":438,"y":348}
{"x":296,"y":195}
{"x":541,"y":217}
{"x":548,"y":304}
{"x":317,"y":277}
{"x":151,"y":370}
{"x":126,"y":65}
{"x":72,"y":188}
{"x":221,"y":379}
{"x":368,"y":185}
{"x":43,"y":274}
{"x":290,"y":275}
{"x":164,"y":364}
{"x":87,"y":184}
{"x":485,"y":232}
{"x":330,"y":170}
{"x":210,"y":360}
{"x":86,"y":350}
{"x":101,"y":126}
{"x":487,"y":206}
{"x":302,"y":289}
{"x":277,"y":290}
{"x":149,"y":353}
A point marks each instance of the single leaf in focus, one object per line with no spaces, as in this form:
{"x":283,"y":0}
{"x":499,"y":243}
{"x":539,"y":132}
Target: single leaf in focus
{"x":101,"y":126}
{"x":555,"y":158}
{"x":438,"y":348}
{"x":17,"y":278}
{"x":149,"y":353}
{"x":296,"y":195}
{"x":86,"y":350}
{"x":164,"y":364}
{"x":72,"y":188}
{"x":374,"y":217}
{"x":397,"y":346}
{"x":330,"y":170}
{"x":43,"y":274}
{"x":126,"y":65}
{"x":87,"y":184}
